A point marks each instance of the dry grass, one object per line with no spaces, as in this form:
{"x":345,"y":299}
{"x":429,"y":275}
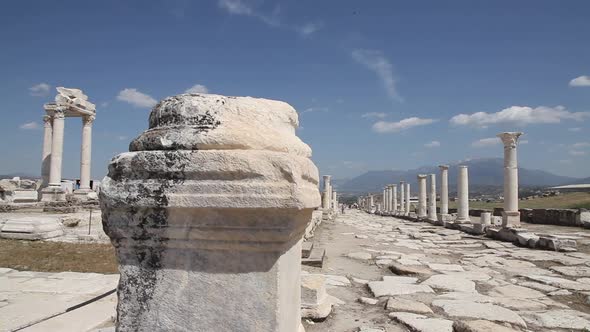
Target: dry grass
{"x":45,"y":256}
{"x":564,"y":201}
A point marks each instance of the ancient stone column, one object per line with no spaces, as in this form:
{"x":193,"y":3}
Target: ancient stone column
{"x":325,"y":195}
{"x":207,"y":213}
{"x":384,"y":205}
{"x":463,"y":195}
{"x":444,"y":189}
{"x":371,"y":203}
{"x":335,"y":201}
{"x":432,"y":198}
{"x":402,"y":197}
{"x":511,"y":215}
{"x":47,"y":141}
{"x":422,"y":196}
{"x":54,"y":192}
{"x":85,"y":154}
{"x":394,"y":198}
{"x":408,"y":196}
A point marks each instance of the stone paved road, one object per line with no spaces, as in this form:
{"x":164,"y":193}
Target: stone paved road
{"x":427,"y":278}
{"x":27,"y":296}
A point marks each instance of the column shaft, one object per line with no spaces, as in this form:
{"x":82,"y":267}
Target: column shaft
{"x":408,"y":195}
{"x":46,"y":155}
{"x":444,"y":189}
{"x":422,"y":196}
{"x":57,"y":141}
{"x":511,"y":215}
{"x":394,"y":198}
{"x":463,"y":195}
{"x":402,"y":206}
{"x":85,"y":153}
{"x":432,"y":198}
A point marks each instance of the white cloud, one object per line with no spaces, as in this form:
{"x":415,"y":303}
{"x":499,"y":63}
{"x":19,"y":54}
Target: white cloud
{"x":581,"y":145}
{"x":240,"y":7}
{"x":393,"y":127}
{"x":576,"y":129}
{"x":485,"y":142}
{"x":565,"y":161}
{"x":308,"y":28}
{"x":519,"y":115}
{"x":29,"y":125}
{"x":375,"y":61}
{"x":580,"y":81}
{"x":136,"y":98}
{"x":197,"y":88}
{"x":433,"y":144}
{"x":315,"y":110}
{"x":577,"y":153}
{"x":122,"y":138}
{"x":524,"y":141}
{"x":104,"y":104}
{"x":378,"y":115}
{"x":40,"y":90}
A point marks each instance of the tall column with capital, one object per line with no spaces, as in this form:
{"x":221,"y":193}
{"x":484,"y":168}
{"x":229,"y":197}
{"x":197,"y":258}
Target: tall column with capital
{"x":432,"y":198}
{"x":408,"y":201}
{"x":444,"y":189}
{"x":85,"y":153}
{"x":402,"y":206}
{"x":422,"y":196}
{"x":511,"y":215}
{"x":46,"y":156}
{"x":463,"y":195}
{"x":57,"y":142}
{"x":384,"y":201}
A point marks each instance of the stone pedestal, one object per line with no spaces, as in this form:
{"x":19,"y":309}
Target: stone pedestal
{"x":207,"y":213}
{"x":422,"y":196}
{"x":511,"y":215}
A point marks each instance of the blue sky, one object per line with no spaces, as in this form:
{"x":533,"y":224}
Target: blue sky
{"x":378,"y":84}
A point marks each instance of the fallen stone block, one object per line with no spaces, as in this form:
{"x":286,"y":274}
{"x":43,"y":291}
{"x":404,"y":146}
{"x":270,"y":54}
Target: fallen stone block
{"x":316,"y":258}
{"x":405,"y":305}
{"x":315,"y":302}
{"x":558,"y":244}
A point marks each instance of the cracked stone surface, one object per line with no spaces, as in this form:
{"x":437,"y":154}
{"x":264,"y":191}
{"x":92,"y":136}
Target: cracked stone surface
{"x":473,"y":282}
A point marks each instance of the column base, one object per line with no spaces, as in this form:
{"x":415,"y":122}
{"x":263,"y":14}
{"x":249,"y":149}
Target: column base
{"x":510,"y":219}
{"x":85,"y":194}
{"x":443,"y":218}
{"x":53,"y":194}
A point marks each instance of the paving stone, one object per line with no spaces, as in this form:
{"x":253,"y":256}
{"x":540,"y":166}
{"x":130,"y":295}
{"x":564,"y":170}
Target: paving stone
{"x":487,"y":311}
{"x":560,"y":282}
{"x":405,"y":305}
{"x":516,"y":292}
{"x":572,"y":271}
{"x":552,"y":319}
{"x":400,"y":269}
{"x":538,"y":286}
{"x":405,"y":261}
{"x":362,"y":256}
{"x":421,"y":323}
{"x":368,"y":300}
{"x":446,"y":267}
{"x":450,"y":283}
{"x":392,"y":286}
{"x":480,"y":326}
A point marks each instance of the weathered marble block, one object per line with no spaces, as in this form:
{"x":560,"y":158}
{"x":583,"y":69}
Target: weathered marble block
{"x":207,"y":213}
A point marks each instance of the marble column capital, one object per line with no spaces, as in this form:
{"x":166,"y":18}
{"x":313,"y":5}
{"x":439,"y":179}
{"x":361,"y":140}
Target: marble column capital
{"x":443,"y":167}
{"x":88,"y":120}
{"x":47,"y":120}
{"x":421,"y":176}
{"x":509,"y":139}
{"x":59,"y":113}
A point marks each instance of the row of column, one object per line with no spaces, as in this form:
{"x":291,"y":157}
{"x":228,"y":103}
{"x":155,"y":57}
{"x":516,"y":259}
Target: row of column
{"x":427,"y":196}
{"x":329,"y":195}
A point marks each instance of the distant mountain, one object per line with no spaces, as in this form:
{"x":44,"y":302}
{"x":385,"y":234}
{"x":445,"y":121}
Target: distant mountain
{"x":484,"y":174}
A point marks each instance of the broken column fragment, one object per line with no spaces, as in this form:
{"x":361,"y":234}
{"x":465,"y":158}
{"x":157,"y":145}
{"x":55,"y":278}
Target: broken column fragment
{"x":207,"y":213}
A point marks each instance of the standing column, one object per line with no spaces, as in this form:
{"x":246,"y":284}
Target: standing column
{"x":57,"y":142}
{"x":444,"y":189}
{"x":390,"y":197}
{"x":394,"y":198}
{"x":511,"y":215}
{"x":432,"y":198}
{"x":85,"y":154}
{"x":402,"y":206}
{"x":408,"y":201}
{"x":54,"y":191}
{"x":422,"y":196}
{"x":384,"y":203}
{"x":326,"y":194}
{"x":46,"y":156}
{"x":371,"y":203}
{"x":463,"y":195}
{"x":335,"y":201}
